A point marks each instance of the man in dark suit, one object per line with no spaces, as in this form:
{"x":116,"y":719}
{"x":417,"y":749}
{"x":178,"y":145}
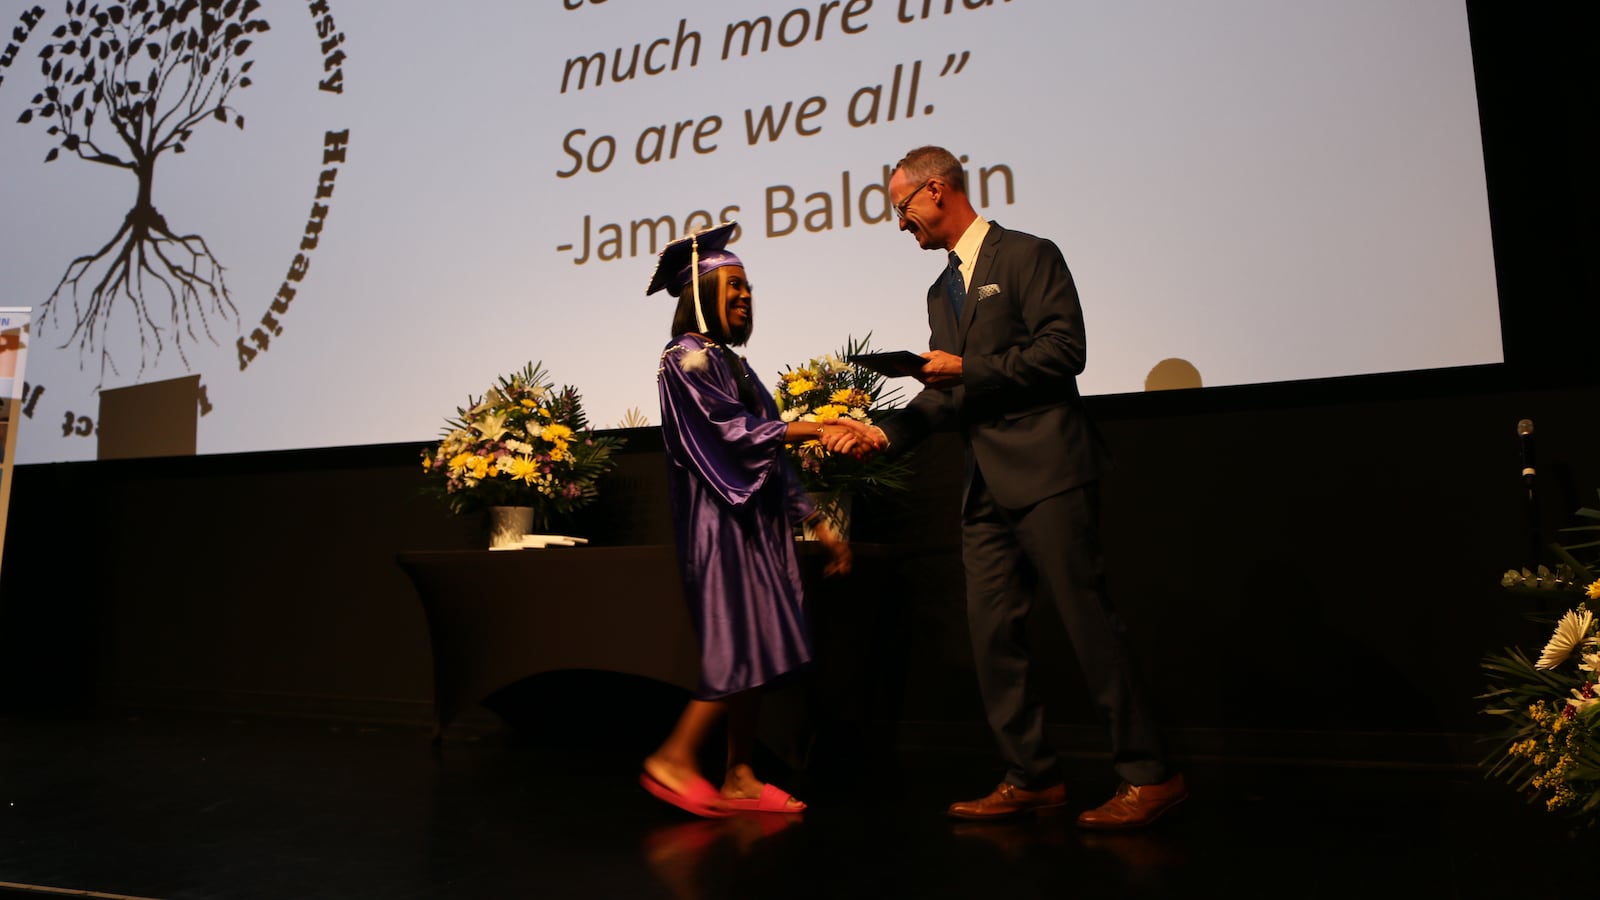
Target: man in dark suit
{"x":1007,"y":345}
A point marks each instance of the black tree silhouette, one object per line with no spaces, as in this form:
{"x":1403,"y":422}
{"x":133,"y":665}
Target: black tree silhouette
{"x":126,"y":83}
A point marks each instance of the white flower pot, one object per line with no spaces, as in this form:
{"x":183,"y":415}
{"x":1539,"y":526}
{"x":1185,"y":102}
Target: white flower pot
{"x":507,"y":525}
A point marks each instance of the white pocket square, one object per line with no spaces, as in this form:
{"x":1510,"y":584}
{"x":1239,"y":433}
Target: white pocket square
{"x":985,"y":291}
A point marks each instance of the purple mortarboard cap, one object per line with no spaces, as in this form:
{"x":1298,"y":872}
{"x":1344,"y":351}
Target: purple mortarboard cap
{"x":677,"y":265}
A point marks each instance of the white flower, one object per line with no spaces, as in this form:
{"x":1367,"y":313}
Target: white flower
{"x":791,"y":414}
{"x":837,"y":364}
{"x":491,"y":426}
{"x":859,"y":414}
{"x":516,"y":446}
{"x":1570,"y":632}
{"x":1579,"y":702}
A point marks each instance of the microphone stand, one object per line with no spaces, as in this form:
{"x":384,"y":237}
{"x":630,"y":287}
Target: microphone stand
{"x":1534,"y":544}
{"x":1525,"y":435}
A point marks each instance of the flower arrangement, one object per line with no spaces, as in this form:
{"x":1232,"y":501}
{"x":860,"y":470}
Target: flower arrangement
{"x":1550,"y":746}
{"x":523,"y":443}
{"x":828,"y":388}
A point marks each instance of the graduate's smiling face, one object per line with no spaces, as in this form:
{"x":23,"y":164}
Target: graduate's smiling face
{"x":735,"y":307}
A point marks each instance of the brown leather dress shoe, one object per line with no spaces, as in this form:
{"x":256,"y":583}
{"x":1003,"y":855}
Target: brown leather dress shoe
{"x":1009,"y":800}
{"x":1136,"y":805}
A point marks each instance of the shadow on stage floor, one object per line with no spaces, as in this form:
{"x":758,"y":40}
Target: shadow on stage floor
{"x":215,"y":808}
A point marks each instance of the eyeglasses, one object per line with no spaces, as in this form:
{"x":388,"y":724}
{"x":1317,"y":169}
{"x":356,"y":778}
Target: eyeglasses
{"x":900,"y":208}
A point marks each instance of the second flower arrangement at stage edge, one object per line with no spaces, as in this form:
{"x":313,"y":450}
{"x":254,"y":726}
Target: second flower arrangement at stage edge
{"x":1548,"y":747}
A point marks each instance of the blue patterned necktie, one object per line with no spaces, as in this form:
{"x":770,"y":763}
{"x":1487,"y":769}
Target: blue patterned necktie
{"x":956,"y":285}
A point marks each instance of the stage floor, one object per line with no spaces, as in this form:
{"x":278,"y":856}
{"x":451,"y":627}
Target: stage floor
{"x":188,"y":807}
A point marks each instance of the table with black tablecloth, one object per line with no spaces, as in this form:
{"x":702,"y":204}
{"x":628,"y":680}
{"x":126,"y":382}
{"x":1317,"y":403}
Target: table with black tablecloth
{"x":497,"y":617}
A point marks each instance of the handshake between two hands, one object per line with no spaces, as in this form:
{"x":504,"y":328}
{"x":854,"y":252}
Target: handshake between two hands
{"x":852,"y":438}
{"x":940,"y":370}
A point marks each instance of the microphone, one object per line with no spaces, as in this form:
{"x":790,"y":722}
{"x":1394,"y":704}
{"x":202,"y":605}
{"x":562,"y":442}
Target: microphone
{"x":1525,"y":432}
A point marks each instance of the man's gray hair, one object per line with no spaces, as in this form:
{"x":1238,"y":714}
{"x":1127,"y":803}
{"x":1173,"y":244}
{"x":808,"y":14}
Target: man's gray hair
{"x":934,"y":162}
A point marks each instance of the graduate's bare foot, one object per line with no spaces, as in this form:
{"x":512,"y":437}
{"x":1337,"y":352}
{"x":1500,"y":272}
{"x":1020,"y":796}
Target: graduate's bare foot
{"x":682,"y":786}
{"x":675,"y":775}
{"x":743,"y":789}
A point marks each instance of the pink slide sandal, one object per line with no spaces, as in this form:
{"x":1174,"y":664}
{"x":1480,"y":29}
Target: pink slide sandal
{"x":773,"y":799}
{"x":699,"y":797}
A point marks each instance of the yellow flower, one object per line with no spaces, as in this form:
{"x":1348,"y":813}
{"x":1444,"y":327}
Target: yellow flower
{"x":459,"y":461}
{"x":851,"y":397}
{"x":556,"y":433}
{"x":829,"y":412}
{"x":1594,"y":590}
{"x":523,"y":468}
{"x":800,"y":386}
{"x":1570,"y":632}
{"x":478,"y":466}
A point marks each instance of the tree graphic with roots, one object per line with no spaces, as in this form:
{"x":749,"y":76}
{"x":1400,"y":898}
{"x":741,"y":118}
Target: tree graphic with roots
{"x":126,"y":83}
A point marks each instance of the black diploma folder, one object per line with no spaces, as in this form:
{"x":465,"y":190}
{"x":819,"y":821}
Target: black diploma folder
{"x":893,"y":363}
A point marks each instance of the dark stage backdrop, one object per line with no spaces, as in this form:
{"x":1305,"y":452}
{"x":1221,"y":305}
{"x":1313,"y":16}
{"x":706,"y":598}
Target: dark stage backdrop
{"x":1306,"y":577}
{"x":1309,"y":568}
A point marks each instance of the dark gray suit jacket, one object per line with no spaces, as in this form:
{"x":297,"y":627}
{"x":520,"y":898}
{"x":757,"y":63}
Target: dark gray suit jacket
{"x":1021,"y":340}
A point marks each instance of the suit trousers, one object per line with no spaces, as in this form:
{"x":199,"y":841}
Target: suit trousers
{"x":1057,"y":542}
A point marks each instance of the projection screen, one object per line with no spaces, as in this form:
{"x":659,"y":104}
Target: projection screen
{"x":333,"y":221}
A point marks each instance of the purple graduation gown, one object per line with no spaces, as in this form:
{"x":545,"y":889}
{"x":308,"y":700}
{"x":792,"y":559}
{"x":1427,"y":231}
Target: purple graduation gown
{"x":735,"y":501}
